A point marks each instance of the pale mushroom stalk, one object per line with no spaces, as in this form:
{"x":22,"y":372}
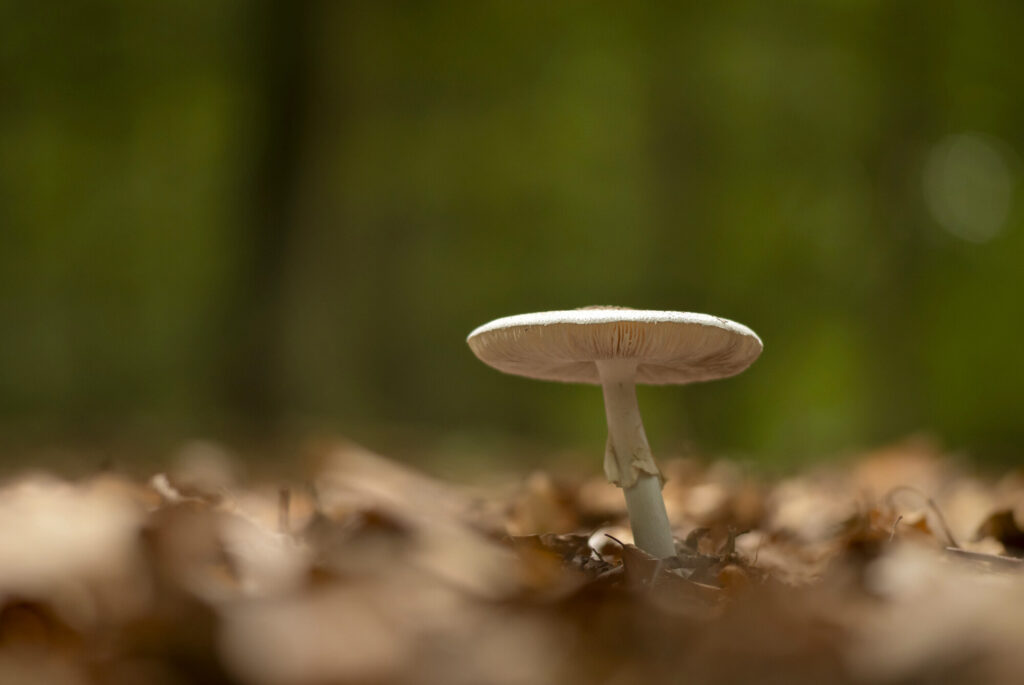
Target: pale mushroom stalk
{"x":629,"y":462}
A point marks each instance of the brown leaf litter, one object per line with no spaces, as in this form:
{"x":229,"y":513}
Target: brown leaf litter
{"x":898,"y":568}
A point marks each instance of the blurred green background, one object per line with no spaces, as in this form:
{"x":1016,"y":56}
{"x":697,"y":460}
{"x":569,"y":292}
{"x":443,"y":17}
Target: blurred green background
{"x":225,"y":218}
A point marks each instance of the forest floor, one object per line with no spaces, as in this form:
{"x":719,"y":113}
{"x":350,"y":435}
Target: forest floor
{"x":897,"y":567}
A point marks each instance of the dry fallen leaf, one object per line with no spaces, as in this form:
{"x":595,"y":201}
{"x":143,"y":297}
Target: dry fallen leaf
{"x":1003,"y":526}
{"x":368,"y":571}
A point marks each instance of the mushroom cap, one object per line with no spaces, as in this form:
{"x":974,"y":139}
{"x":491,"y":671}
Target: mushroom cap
{"x":669,"y":347}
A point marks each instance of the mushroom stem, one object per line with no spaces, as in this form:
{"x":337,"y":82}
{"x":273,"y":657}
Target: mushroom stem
{"x":629,"y":463}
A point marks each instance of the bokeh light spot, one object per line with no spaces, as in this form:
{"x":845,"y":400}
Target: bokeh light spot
{"x":968,"y":187}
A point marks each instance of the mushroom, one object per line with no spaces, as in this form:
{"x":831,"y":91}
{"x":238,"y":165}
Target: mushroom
{"x":617,"y":348}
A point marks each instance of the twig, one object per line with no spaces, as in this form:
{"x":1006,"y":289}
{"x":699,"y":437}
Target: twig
{"x":990,"y":558}
{"x":895,"y":523}
{"x":931,"y":505}
{"x":615,"y":539}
